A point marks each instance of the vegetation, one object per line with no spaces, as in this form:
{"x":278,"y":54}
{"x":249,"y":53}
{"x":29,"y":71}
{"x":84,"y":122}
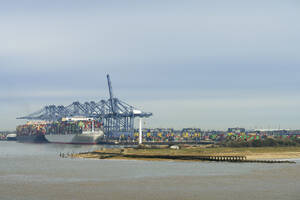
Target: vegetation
{"x":197,"y":150}
{"x":268,"y":142}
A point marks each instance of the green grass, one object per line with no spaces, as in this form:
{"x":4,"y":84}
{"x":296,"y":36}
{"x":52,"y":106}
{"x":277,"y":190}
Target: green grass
{"x":215,"y":150}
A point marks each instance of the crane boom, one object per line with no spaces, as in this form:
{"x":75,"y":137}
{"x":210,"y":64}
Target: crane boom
{"x":110,"y":93}
{"x":116,"y":115}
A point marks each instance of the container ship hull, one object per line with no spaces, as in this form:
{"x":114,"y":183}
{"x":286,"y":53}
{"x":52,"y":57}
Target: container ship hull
{"x":11,"y":137}
{"x":83,"y":138}
{"x":32,"y":139}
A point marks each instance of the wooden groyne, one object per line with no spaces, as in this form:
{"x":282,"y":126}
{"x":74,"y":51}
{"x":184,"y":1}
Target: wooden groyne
{"x":269,"y":161}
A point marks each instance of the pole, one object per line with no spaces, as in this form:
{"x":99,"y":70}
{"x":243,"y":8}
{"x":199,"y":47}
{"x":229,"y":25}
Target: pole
{"x":140,"y":132}
{"x":93,"y":125}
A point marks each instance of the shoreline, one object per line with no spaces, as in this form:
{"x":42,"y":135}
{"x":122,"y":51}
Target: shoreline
{"x":196,"y":154}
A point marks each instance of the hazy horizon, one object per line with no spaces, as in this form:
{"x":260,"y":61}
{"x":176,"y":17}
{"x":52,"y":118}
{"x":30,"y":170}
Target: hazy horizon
{"x":206,"y":64}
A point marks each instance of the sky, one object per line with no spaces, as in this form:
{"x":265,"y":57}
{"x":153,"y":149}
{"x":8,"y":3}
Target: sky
{"x":208,"y":64}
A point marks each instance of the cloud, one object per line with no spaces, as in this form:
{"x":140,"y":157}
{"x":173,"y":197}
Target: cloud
{"x":156,"y":51}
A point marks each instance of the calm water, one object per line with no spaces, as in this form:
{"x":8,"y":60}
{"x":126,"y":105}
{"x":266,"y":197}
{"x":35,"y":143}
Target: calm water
{"x":35,"y":171}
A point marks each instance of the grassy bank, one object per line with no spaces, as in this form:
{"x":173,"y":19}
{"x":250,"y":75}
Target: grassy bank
{"x":249,"y":152}
{"x":266,"y":142}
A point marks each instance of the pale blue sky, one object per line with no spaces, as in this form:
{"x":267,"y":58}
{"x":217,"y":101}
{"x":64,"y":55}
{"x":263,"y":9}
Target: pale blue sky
{"x":207,"y":64}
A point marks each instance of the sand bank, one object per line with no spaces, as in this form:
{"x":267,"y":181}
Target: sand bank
{"x":194,"y":154}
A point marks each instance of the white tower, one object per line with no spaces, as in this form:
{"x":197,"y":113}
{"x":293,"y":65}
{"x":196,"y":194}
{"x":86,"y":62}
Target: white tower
{"x":140,"y":132}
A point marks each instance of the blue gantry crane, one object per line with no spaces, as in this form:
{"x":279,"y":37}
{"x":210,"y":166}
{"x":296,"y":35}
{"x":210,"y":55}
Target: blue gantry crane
{"x":116,"y":115}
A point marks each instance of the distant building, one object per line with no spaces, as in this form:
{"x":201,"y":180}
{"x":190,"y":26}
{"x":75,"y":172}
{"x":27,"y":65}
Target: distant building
{"x":236,"y":130}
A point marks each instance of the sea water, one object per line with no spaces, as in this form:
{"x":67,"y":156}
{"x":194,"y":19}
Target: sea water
{"x":36,"y":171}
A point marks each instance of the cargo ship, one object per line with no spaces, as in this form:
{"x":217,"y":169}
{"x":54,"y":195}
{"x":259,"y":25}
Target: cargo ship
{"x":31,"y":132}
{"x":83,"y":138}
{"x":75,"y":130}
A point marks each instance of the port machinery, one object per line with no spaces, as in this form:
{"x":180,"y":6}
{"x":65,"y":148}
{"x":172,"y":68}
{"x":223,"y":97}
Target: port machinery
{"x":116,"y":115}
